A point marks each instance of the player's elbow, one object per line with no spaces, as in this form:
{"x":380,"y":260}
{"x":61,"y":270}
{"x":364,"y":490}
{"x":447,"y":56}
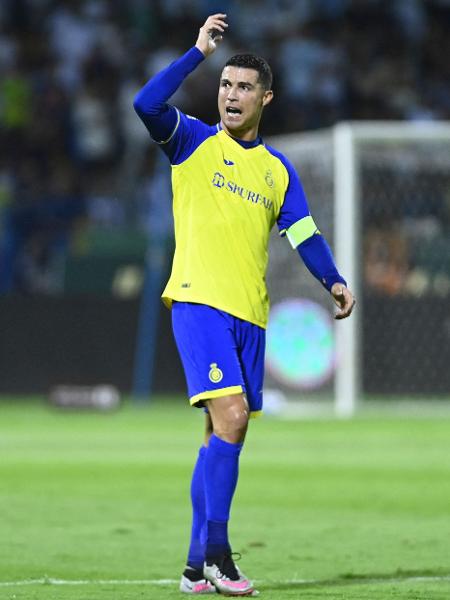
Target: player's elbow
{"x":145,"y":104}
{"x":138,"y":104}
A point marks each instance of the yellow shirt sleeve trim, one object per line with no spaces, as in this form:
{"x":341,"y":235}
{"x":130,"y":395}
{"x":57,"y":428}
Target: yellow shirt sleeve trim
{"x":226,"y":391}
{"x":301,"y":231}
{"x":255,"y":414}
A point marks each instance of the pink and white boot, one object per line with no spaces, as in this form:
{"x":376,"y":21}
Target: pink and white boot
{"x":194,"y":582}
{"x":227,"y":578}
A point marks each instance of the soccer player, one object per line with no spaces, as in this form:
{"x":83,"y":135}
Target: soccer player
{"x":229,"y":189}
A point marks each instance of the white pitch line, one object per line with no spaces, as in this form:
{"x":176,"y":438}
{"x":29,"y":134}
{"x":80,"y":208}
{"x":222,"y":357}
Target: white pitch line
{"x":359,"y":580}
{"x":52,"y":581}
{"x":162,"y":582}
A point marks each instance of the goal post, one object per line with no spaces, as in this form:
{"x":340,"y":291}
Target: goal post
{"x":377,"y":188}
{"x":346,"y":243}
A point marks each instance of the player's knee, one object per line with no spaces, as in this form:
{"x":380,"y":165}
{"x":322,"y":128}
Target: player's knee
{"x":231,"y":421}
{"x":232,"y":429}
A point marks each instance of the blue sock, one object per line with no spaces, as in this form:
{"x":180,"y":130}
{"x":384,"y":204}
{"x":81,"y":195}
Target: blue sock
{"x":221,"y":475}
{"x":196,"y":554}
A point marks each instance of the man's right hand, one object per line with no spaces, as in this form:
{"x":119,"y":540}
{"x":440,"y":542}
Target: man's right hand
{"x":211,"y":33}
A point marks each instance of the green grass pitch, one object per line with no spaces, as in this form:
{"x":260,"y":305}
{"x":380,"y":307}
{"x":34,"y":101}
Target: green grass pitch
{"x":96,"y":506}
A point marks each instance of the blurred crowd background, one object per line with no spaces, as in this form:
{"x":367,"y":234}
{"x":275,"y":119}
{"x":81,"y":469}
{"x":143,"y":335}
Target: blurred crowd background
{"x":82,"y":189}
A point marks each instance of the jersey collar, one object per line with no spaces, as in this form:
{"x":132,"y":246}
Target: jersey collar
{"x":243,"y":143}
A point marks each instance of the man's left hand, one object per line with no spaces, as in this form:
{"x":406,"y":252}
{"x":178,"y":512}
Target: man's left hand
{"x":343,"y":299}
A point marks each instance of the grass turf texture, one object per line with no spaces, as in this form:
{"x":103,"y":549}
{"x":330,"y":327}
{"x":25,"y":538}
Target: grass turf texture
{"x":358,"y":509}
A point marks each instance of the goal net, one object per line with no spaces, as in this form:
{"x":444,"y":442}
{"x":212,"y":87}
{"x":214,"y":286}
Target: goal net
{"x":380,"y":194}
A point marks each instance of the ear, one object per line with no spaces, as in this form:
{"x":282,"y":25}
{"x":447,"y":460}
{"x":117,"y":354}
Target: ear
{"x":267,"y":98}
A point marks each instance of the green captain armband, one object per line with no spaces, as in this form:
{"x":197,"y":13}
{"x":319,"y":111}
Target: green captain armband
{"x":301,"y":231}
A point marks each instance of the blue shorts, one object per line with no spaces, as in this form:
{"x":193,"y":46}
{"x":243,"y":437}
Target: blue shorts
{"x":221,"y":354}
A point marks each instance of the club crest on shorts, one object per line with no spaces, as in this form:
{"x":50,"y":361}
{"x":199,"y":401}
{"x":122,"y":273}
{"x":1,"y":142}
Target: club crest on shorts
{"x":215,"y":374}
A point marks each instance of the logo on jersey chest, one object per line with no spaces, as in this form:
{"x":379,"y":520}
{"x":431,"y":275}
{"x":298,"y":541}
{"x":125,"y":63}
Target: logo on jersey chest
{"x":269,"y":178}
{"x":219,"y":181}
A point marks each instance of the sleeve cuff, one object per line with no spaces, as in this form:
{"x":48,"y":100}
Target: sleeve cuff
{"x":196,"y":54}
{"x":329,"y":282}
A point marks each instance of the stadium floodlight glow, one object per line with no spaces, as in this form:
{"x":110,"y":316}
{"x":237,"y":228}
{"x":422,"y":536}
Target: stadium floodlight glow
{"x":300,"y":350}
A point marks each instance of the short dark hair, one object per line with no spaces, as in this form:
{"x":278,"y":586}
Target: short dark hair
{"x":251,"y":61}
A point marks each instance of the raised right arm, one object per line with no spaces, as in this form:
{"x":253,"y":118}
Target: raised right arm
{"x":150,"y":102}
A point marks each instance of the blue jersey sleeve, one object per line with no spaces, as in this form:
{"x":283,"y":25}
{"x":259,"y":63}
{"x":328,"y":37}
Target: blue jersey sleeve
{"x":187,"y":135}
{"x":295,"y":205}
{"x":177,"y":133}
{"x":317,"y":256}
{"x":296,"y":222}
